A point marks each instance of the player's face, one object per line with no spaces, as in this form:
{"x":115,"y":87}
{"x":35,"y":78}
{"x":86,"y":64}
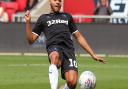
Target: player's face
{"x":55,"y":5}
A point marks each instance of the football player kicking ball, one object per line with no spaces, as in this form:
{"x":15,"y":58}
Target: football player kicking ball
{"x":58,"y":27}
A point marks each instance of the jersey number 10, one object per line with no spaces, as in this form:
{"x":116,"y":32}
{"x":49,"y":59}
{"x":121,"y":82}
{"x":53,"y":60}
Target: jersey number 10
{"x":73,"y":63}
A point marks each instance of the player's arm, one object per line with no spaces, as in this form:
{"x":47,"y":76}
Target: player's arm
{"x":83,"y":43}
{"x":30,"y":36}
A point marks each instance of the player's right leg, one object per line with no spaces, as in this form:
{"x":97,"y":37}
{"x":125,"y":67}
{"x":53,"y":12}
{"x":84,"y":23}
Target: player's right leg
{"x":53,"y":71}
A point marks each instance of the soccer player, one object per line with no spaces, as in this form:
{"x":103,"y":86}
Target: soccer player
{"x":58,"y":27}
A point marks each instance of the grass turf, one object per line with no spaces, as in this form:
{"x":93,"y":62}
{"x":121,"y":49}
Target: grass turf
{"x":31,"y":72}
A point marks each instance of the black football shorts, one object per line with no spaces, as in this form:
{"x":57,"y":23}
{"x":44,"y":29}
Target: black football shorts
{"x":67,"y":57}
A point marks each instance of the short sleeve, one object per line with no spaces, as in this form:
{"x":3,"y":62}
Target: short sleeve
{"x":38,"y":27}
{"x":72,"y":25}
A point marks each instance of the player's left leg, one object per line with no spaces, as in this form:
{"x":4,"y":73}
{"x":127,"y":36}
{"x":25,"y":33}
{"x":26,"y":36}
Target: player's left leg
{"x":70,"y":74}
{"x":69,"y":69}
{"x":71,"y":79}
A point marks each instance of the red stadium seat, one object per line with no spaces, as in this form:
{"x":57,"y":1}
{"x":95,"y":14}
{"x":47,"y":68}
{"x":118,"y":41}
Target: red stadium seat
{"x":10,"y":13}
{"x":79,"y":7}
{"x":12,"y":5}
{"x":10,"y":8}
{"x":3,"y":4}
{"x":21,"y":4}
{"x":9,"y":5}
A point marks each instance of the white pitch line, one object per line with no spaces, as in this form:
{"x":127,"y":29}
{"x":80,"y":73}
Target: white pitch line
{"x":24,"y":65}
{"x":45,"y":54}
{"x":11,"y":54}
{"x":46,"y":65}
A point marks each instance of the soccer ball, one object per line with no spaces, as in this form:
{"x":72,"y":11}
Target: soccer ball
{"x":87,"y":80}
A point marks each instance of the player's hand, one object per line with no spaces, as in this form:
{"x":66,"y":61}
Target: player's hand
{"x":27,"y":16}
{"x":97,"y":58}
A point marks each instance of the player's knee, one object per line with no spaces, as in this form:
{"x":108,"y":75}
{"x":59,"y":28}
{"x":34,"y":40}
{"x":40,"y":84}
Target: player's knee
{"x":54,"y":56}
{"x":72,"y":83}
{"x":71,"y":79}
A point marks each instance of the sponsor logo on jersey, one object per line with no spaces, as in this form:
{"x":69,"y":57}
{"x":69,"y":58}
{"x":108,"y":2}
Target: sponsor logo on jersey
{"x":57,"y":21}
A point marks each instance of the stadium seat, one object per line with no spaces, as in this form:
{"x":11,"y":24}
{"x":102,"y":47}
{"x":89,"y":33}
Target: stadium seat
{"x":9,"y":5}
{"x":79,"y":7}
{"x":21,"y":4}
{"x":3,"y":4}
{"x":10,"y":8}
{"x":10,"y":13}
{"x":12,"y":5}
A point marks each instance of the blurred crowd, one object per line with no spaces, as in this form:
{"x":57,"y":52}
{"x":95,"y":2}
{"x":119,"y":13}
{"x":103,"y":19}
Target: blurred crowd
{"x":102,"y":8}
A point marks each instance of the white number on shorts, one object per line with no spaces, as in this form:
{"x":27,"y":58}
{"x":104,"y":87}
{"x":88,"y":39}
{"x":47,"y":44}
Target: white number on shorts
{"x":73,"y":63}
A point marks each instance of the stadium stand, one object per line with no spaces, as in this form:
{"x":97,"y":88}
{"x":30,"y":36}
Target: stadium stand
{"x":21,"y":4}
{"x":81,"y":10}
{"x":3,"y":15}
{"x":37,"y":10}
{"x":103,"y":8}
{"x":12,"y":7}
{"x":75,"y":8}
{"x":79,"y":7}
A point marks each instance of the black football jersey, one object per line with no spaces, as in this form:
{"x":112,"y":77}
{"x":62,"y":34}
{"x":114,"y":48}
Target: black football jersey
{"x":57,"y":28}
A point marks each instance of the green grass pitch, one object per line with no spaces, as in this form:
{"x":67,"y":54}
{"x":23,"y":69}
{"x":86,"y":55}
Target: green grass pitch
{"x":31,"y":72}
